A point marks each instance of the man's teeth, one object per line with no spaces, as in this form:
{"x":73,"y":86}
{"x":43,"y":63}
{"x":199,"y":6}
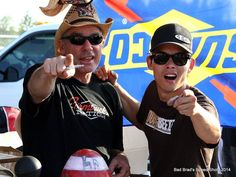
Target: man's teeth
{"x":170,"y":76}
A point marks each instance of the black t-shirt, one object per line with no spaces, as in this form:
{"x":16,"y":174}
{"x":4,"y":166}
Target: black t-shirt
{"x":73,"y":117}
{"x":175,"y":149}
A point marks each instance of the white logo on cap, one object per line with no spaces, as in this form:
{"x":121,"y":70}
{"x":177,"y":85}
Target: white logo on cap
{"x":182,"y":38}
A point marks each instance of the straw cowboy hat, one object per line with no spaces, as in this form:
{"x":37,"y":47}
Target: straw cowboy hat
{"x":53,"y":8}
{"x":81,"y":13}
{"x":56,"y":6}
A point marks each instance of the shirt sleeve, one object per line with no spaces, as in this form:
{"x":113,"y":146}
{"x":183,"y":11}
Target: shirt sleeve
{"x":26,"y":104}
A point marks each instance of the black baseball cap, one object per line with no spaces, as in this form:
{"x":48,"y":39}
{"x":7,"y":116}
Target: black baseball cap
{"x":172,"y":33}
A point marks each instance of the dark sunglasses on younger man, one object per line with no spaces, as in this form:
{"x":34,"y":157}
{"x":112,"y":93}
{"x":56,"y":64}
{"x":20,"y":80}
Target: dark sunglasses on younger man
{"x":179,"y":59}
{"x":78,"y":39}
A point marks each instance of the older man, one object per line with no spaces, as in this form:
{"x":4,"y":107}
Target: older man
{"x":64,"y":107}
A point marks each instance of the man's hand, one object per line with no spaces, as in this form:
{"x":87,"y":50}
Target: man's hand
{"x":57,"y":66}
{"x":106,"y":74}
{"x":186,"y":103}
{"x":120,"y":165}
{"x":206,"y":124}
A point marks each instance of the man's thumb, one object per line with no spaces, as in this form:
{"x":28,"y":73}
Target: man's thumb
{"x":69,"y":60}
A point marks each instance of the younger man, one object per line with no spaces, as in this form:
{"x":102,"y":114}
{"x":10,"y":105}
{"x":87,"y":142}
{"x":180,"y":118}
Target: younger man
{"x":181,"y":124}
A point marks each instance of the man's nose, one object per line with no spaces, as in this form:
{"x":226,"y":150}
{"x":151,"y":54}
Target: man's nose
{"x":170,"y":63}
{"x":87,"y":44}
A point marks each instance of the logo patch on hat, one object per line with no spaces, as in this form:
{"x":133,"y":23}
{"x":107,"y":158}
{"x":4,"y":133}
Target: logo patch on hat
{"x":83,"y":11}
{"x":86,"y":11}
{"x":182,"y":38}
{"x":75,"y":1}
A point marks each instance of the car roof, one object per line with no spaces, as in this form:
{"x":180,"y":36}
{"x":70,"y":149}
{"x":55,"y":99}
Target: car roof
{"x":38,"y":28}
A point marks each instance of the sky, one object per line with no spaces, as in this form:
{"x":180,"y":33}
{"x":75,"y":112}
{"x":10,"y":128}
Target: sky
{"x":22,"y":7}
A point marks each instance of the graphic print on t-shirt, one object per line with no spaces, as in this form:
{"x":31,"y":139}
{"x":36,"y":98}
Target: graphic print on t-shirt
{"x":87,"y":108}
{"x":158,"y":123}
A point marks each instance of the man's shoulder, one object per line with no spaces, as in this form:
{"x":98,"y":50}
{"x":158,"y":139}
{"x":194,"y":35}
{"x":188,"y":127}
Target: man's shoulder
{"x":31,"y":70}
{"x":151,"y":89}
{"x":200,"y":95}
{"x":204,"y":100}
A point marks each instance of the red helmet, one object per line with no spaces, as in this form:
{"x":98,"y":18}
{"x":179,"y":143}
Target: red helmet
{"x":86,"y":163}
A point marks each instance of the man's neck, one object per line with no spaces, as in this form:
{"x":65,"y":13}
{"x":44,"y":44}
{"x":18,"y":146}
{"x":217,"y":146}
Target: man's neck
{"x":83,"y":77}
{"x":165,"y":95}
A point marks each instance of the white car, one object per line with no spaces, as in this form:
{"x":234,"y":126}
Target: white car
{"x":33,"y":47}
{"x":28,"y":49}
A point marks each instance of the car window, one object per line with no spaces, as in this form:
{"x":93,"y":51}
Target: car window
{"x":31,"y":50}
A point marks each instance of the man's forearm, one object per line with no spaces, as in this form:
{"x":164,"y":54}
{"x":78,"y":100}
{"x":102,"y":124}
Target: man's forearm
{"x":206,"y":126}
{"x":40,"y":85}
{"x":130,"y":105}
{"x":114,"y":152}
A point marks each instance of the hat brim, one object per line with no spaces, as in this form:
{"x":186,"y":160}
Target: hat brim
{"x":176,"y":43}
{"x":66,"y":26}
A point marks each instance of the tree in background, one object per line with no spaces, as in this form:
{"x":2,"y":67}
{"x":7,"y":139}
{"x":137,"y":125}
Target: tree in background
{"x":8,"y":31}
{"x":5,"y":26}
{"x":25,"y":24}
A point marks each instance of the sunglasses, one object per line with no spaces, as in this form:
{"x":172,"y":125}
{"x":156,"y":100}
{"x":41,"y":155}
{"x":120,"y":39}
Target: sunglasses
{"x":77,"y":39}
{"x":179,"y":59}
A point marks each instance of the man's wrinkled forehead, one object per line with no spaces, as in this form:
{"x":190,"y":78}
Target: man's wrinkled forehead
{"x":83,"y":29}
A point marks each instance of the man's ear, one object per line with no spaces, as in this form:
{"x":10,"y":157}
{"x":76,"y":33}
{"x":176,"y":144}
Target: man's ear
{"x":192,"y":64}
{"x":149,"y":62}
{"x":60,"y":48}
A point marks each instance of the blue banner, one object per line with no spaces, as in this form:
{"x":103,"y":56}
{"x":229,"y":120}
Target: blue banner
{"x":213,"y":27}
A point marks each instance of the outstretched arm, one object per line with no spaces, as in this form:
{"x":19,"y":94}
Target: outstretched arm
{"x":130,"y":104}
{"x":205,"y":123}
{"x":42,"y":81}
